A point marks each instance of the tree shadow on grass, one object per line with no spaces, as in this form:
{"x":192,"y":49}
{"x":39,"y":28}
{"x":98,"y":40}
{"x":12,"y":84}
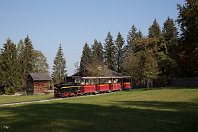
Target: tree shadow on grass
{"x":63,"y":117}
{"x":166,"y":106}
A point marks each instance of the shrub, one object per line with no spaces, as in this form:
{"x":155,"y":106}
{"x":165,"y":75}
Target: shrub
{"x":2,"y":91}
{"x":9,"y":90}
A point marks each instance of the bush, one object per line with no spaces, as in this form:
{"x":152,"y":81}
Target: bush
{"x":9,"y":90}
{"x":2,"y":91}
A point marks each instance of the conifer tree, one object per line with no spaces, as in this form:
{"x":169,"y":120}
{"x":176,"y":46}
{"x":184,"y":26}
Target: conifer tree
{"x":133,"y":35}
{"x":162,"y":50}
{"x":28,"y":56}
{"x":97,"y":52}
{"x":20,"y":57}
{"x":142,"y":64}
{"x":154,"y":30}
{"x":187,"y":19}
{"x":85,"y":59}
{"x":188,"y":22}
{"x":119,"y":43}
{"x":170,"y":35}
{"x":109,"y":52}
{"x":59,"y":67}
{"x":1,"y":70}
{"x":9,"y":67}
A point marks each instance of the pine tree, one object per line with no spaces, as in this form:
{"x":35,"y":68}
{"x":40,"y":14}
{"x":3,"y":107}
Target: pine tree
{"x":170,"y":35}
{"x":119,"y":43}
{"x":109,"y":52}
{"x":59,"y":67}
{"x":1,"y":70}
{"x":142,"y":64}
{"x":40,"y":62}
{"x":9,"y":66}
{"x":97,"y":52}
{"x":85,"y":59}
{"x":188,"y":22}
{"x":133,"y":35}
{"x":154,"y":30}
{"x":20,"y":57}
{"x":28,"y":57}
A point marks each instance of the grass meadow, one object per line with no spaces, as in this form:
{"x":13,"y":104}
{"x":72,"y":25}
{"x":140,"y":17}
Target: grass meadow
{"x":140,"y":110}
{"x":5,"y":99}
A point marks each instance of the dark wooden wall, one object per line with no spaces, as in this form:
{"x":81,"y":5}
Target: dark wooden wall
{"x":29,"y":85}
{"x":41,"y":86}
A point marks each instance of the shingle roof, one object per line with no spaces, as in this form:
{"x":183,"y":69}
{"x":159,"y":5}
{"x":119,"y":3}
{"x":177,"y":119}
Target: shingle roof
{"x":40,"y":76}
{"x":115,"y":74}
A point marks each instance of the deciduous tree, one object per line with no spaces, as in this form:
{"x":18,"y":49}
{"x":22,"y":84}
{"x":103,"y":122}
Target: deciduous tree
{"x":40,"y":62}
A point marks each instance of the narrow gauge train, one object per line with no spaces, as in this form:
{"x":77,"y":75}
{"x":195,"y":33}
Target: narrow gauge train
{"x":74,"y":86}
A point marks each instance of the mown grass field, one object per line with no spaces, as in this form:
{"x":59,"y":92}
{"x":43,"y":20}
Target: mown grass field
{"x":13,"y":99}
{"x":158,"y":110}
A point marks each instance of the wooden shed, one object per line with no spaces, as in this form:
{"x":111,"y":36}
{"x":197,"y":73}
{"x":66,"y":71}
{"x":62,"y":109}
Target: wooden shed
{"x":38,"y":82}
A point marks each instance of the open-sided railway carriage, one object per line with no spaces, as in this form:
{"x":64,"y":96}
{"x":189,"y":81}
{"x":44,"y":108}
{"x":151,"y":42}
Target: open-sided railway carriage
{"x":76,"y":85}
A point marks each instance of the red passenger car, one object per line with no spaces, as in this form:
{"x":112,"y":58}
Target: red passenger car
{"x":74,"y":86}
{"x":126,"y":82}
{"x":116,"y":84}
{"x":88,"y":89}
{"x":88,"y":85}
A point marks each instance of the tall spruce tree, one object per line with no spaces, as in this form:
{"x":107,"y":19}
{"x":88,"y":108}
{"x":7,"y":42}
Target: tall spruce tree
{"x":119,"y":44}
{"x":109,"y":52}
{"x":85,"y":59}
{"x":27,"y":60}
{"x":59,"y":67}
{"x":188,"y":22}
{"x":133,"y":35}
{"x":170,"y":35}
{"x":142,"y":64}
{"x":1,"y":70}
{"x":97,"y":52}
{"x":154,"y":30}
{"x":165,"y":63}
{"x":20,"y":56}
{"x":28,"y":56}
{"x":9,"y":66}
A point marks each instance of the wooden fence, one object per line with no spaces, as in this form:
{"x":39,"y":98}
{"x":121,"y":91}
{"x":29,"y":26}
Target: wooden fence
{"x":185,"y":82}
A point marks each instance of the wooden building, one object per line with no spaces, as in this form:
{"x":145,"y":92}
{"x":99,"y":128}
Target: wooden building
{"x":38,"y":83}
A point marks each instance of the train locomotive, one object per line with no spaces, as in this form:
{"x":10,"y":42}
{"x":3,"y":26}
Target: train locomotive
{"x":75,"y":85}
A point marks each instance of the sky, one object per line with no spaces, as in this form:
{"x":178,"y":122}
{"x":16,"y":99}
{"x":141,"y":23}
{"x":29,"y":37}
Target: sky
{"x":74,"y":22}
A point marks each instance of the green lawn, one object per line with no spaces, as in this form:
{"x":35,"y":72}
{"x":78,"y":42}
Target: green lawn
{"x":159,"y":110}
{"x":13,"y":99}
